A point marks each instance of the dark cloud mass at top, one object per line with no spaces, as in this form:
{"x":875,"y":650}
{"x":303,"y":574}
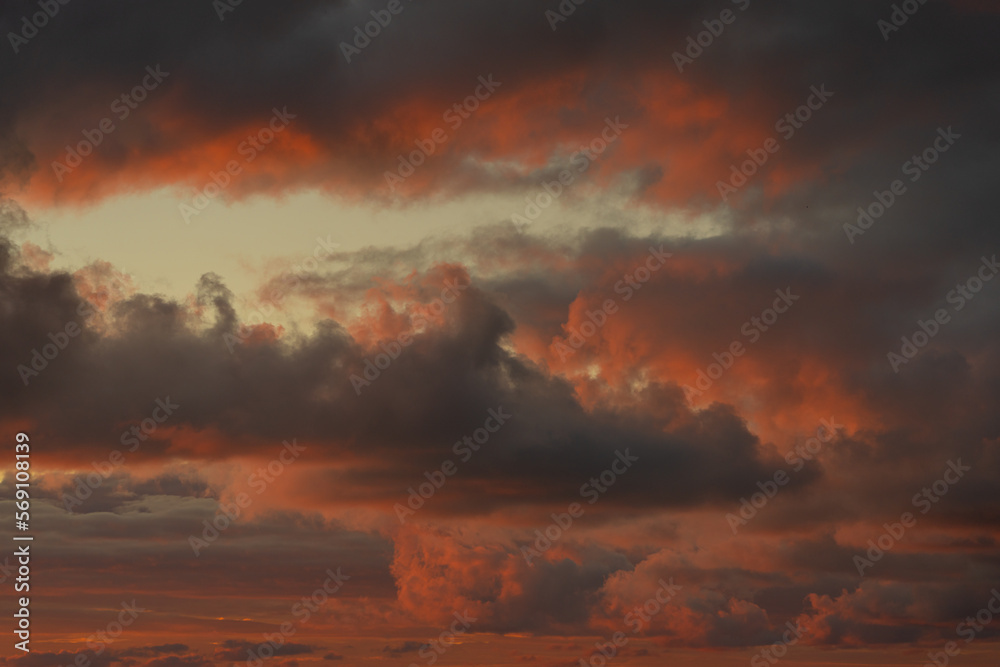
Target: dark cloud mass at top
{"x":862,"y":294}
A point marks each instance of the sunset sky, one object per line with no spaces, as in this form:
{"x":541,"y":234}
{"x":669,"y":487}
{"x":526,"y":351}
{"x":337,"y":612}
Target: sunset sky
{"x":579,"y":332}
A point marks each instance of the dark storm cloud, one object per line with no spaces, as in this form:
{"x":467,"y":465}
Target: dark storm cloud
{"x":441,"y":389}
{"x":858,"y":299}
{"x":940,"y":69}
{"x":90,"y":491}
{"x":441,"y":386}
{"x":249,"y":554}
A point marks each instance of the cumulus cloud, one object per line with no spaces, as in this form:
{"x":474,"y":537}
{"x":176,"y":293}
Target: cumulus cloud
{"x":88,"y":355}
